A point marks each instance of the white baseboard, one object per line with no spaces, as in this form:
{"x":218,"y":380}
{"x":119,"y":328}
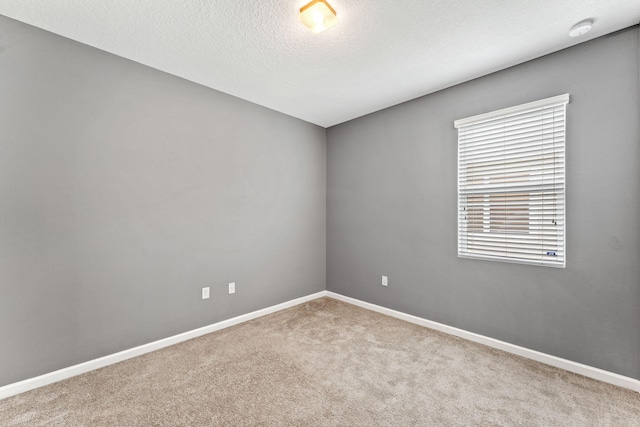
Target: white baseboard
{"x":568,"y":365}
{"x":61,"y":374}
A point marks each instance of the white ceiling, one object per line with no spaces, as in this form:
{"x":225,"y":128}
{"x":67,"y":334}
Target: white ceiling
{"x":381,"y":53}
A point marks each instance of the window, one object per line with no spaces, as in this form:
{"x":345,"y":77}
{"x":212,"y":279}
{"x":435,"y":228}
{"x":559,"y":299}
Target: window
{"x":511,"y":184}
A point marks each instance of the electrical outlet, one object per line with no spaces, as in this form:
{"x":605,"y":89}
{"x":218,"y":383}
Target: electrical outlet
{"x":205,"y":293}
{"x":385,"y":281}
{"x":232,"y":288}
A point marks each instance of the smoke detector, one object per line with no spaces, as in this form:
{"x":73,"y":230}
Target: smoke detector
{"x":581,"y":28}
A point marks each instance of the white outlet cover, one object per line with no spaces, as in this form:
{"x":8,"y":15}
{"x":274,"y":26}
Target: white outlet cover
{"x":385,"y":281}
{"x":232,"y":288}
{"x":205,"y":293}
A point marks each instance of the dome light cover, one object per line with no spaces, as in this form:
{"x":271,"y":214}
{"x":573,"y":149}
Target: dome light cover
{"x":318,"y":15}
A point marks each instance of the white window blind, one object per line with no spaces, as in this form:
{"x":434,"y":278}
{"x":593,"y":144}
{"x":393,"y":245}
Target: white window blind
{"x":511,"y":184}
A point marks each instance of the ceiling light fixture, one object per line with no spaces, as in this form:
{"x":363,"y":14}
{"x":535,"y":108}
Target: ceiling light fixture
{"x":318,"y":15}
{"x":581,"y":28}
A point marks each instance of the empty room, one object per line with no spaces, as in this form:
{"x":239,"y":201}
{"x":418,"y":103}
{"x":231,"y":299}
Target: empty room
{"x":319,"y":213}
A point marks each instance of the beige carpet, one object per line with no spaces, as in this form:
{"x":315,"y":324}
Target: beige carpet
{"x":325,"y":363}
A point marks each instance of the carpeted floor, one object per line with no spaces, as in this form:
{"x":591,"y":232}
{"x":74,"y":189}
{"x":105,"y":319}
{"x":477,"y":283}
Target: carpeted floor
{"x":325,"y":363}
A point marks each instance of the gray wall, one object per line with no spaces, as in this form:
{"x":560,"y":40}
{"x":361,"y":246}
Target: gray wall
{"x":391,"y":197}
{"x":124,"y":190}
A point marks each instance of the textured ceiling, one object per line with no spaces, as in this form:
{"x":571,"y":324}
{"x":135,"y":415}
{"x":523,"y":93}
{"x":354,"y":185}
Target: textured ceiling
{"x":381,"y":53}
